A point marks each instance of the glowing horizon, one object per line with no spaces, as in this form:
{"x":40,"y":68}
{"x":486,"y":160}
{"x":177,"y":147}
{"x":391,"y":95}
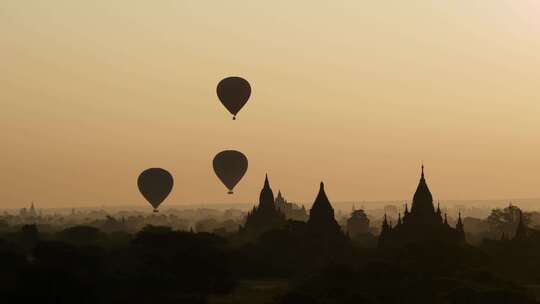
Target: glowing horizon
{"x":356,"y":94}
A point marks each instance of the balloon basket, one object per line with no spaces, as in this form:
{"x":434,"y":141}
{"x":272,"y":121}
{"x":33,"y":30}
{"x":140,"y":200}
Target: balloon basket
{"x":156,"y":211}
{"x":230,"y":192}
{"x":234,"y":118}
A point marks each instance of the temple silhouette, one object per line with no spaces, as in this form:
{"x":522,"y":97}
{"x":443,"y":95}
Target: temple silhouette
{"x":265,"y":216}
{"x":290,"y":210}
{"x":321,"y":216}
{"x":358,"y":223}
{"x":422,"y":224}
{"x":321,"y":226}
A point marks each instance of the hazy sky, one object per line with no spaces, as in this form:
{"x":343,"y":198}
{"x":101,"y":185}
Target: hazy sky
{"x":355,"y":93}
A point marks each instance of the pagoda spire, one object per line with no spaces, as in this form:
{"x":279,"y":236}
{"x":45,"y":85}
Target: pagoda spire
{"x":459,"y":228}
{"x":265,"y":216}
{"x":322,"y":206}
{"x":422,"y":200}
{"x":406,"y":214}
{"x":385,"y":231}
{"x":266,"y":198}
{"x":321,"y":214}
{"x":385,"y":225}
{"x":459,"y":224}
{"x":279,"y":197}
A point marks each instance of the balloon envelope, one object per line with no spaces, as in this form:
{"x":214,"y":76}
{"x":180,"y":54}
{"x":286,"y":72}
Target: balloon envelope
{"x":155,"y":184}
{"x":233,"y":92}
{"x":230,"y":166}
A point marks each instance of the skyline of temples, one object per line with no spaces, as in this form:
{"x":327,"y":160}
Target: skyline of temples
{"x":422,"y":223}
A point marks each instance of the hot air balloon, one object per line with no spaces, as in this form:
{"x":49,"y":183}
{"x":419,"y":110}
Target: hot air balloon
{"x":230,"y":166}
{"x":233,"y":92}
{"x":155,"y":184}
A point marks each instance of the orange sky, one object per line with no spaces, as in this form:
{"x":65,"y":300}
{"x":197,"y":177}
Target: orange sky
{"x":356,"y":93}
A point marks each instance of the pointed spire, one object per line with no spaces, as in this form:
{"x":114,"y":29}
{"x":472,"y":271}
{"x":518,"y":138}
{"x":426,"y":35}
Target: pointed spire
{"x":32,"y":210}
{"x":266,"y":182}
{"x":280,"y":198}
{"x":385,"y":226}
{"x":459,"y":225}
{"x":445,"y":219}
{"x":322,"y":200}
{"x":406,"y":209}
{"x":322,"y":193}
{"x":321,"y":214}
{"x":422,"y":200}
{"x":266,"y":197}
{"x":385,"y":230}
{"x":399,"y":219}
{"x":438,"y":212}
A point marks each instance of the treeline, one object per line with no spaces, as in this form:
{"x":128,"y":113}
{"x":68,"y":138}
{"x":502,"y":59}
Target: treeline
{"x":82,"y":264}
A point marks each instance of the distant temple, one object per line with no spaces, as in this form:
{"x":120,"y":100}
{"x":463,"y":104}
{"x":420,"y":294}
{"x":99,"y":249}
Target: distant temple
{"x":265,"y":216}
{"x":422,"y":223}
{"x":358,"y":223}
{"x":28,"y":213}
{"x":290,"y":210}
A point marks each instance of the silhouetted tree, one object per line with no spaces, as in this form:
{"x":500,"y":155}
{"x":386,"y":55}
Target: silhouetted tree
{"x":505,"y":220}
{"x":80,"y":235}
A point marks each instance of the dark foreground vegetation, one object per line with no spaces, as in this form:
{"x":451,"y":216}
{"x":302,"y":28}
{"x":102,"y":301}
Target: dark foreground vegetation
{"x":159,"y":265}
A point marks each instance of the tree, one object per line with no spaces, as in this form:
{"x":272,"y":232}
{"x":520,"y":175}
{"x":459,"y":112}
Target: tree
{"x":505,"y":220}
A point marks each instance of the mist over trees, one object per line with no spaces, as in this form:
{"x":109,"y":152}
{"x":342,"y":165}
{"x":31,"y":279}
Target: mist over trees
{"x":207,"y":256}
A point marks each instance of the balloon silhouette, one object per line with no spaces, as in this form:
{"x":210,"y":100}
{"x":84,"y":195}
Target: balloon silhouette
{"x":230,"y":166}
{"x":233,"y":92}
{"x":155,"y":184}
